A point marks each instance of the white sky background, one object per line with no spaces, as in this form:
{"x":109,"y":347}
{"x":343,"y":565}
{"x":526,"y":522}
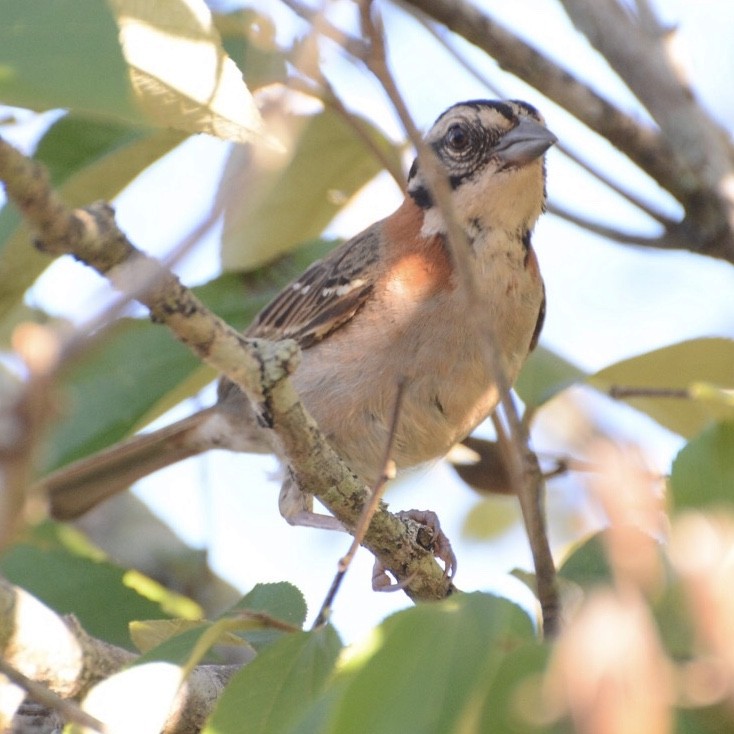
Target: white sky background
{"x":605,"y":302}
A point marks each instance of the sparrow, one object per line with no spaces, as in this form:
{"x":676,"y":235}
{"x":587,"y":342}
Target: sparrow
{"x":385,"y":308}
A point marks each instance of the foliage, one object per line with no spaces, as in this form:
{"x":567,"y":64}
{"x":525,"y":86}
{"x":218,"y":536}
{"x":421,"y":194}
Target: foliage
{"x":647,"y":645}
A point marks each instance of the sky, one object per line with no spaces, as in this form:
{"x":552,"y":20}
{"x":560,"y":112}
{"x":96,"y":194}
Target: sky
{"x":605,"y":302}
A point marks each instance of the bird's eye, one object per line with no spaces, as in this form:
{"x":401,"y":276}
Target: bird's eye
{"x":457,"y":138}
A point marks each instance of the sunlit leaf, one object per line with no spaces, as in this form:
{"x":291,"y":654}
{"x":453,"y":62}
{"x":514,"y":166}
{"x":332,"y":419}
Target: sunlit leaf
{"x":66,"y":54}
{"x":431,"y":666}
{"x":272,"y":692}
{"x":94,"y":591}
{"x":273,"y":202}
{"x":180,"y":75}
{"x":149,"y":633}
{"x":703,"y":471}
{"x":677,"y":366}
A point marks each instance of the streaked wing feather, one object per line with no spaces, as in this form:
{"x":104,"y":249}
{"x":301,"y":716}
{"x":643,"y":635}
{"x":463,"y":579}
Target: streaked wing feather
{"x":325,"y":297}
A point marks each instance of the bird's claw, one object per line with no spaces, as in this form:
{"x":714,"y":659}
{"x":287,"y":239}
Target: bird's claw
{"x":438,"y":543}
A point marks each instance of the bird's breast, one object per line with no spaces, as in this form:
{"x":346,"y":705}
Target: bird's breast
{"x":430,"y":341}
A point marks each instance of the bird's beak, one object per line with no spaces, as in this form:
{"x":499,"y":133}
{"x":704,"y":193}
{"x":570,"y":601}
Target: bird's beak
{"x":526,"y":141}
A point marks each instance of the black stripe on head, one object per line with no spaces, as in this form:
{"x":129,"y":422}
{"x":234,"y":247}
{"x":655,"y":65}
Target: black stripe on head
{"x":502,"y":107}
{"x":532,"y":111}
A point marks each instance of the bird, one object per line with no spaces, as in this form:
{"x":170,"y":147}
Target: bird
{"x":384,"y":309}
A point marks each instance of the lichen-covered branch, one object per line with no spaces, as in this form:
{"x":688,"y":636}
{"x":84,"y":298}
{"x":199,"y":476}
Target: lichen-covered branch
{"x":258,"y":367}
{"x":65,"y":662}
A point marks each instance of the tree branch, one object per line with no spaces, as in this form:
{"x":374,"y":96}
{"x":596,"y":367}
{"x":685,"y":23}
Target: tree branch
{"x":58,"y":656}
{"x":639,"y":50}
{"x":258,"y":367}
{"x":705,"y":194}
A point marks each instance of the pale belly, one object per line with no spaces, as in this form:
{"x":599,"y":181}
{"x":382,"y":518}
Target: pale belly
{"x":352,"y":392}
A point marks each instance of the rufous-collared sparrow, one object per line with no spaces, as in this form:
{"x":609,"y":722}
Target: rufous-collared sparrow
{"x":382,"y":308}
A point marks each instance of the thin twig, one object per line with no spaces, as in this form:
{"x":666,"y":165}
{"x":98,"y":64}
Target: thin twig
{"x":604,"y":230}
{"x":68,"y":710}
{"x":633,"y":198}
{"x":621,"y":392}
{"x":324,"y":91}
{"x":368,"y":512}
{"x":354,"y":46}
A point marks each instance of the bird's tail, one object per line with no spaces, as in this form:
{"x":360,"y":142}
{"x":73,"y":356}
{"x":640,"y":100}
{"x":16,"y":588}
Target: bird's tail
{"x":76,"y":488}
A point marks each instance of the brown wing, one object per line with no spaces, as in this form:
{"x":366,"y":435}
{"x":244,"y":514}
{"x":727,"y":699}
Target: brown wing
{"x":325,"y":297}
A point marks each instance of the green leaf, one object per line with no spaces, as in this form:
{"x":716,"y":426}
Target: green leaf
{"x":281,"y":601}
{"x":428,"y":669}
{"x":272,"y":692}
{"x":490,"y":517}
{"x":587,"y":564}
{"x":678,"y":367}
{"x":88,"y":160}
{"x":137,"y":369}
{"x":272,"y":203}
{"x":511,"y":705}
{"x":248,"y":37}
{"x":95,"y":591}
{"x":188,"y":642}
{"x":703,"y":471}
{"x":113,"y":386}
{"x":181,"y":76}
{"x":544,"y":375}
{"x":64,"y":53}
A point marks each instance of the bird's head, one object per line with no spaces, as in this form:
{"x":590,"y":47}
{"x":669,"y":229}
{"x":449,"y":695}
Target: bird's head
{"x":492,"y":154}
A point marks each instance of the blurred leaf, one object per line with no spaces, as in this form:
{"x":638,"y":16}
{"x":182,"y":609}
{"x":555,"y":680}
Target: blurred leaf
{"x":703,"y":471}
{"x":94,"y":591}
{"x":137,"y":699}
{"x":514,"y":703}
{"x":110,"y":388}
{"x":544,"y":375}
{"x":480,"y":464}
{"x":713,"y":719}
{"x":427,"y":669}
{"x":173,"y":603}
{"x":188,"y":642}
{"x":491,"y":517}
{"x":66,"y":54}
{"x":128,"y":376}
{"x":87,"y":160}
{"x":587,"y":563}
{"x":248,"y":37}
{"x":149,"y":634}
{"x":272,"y":203}
{"x":181,"y":76}
{"x":271,"y":693}
{"x":677,"y":367}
